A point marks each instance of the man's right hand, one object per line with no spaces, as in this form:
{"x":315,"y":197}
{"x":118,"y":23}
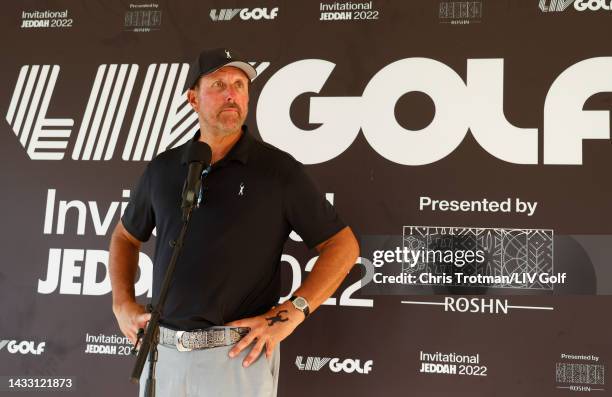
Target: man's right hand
{"x":131,"y":316}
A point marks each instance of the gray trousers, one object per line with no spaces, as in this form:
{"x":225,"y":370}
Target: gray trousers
{"x":210,"y":372}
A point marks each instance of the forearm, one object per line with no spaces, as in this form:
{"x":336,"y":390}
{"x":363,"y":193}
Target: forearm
{"x":336,"y":258}
{"x":123,"y":265}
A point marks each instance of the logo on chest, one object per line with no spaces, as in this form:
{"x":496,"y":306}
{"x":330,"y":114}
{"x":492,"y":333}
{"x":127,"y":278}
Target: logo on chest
{"x":241,"y":189}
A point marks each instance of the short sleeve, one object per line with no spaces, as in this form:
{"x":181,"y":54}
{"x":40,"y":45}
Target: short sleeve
{"x":307,"y":210}
{"x":139,"y":217}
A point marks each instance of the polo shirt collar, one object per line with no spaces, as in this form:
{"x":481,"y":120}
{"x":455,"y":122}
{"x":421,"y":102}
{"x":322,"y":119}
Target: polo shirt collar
{"x":239,"y":152}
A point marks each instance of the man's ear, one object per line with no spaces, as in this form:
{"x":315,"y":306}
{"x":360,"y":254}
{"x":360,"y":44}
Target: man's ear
{"x":192,"y":98}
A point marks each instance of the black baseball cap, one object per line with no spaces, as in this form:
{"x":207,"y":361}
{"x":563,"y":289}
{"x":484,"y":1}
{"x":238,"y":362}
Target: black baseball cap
{"x":210,"y":60}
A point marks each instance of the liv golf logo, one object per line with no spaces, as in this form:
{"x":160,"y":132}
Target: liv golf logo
{"x":579,"y":5}
{"x":335,"y":365}
{"x":23,"y":347}
{"x":475,"y":104}
{"x":246,"y":14}
{"x":162,"y":120}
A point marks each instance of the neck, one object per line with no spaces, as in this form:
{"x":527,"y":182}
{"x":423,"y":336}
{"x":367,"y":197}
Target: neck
{"x":220,"y":143}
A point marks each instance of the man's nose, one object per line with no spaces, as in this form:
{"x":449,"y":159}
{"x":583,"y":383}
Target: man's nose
{"x":230,"y":94}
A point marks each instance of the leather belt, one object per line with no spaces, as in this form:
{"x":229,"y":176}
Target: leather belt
{"x":201,"y":338}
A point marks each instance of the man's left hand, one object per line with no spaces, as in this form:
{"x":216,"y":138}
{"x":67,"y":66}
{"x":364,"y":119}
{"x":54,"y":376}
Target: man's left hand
{"x":266,"y":330}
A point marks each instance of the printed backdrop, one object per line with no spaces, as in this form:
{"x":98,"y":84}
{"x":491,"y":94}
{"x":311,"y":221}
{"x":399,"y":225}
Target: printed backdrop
{"x":428,"y":124}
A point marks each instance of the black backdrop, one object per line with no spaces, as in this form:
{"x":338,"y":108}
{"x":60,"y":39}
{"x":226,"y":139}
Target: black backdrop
{"x":449,"y":100}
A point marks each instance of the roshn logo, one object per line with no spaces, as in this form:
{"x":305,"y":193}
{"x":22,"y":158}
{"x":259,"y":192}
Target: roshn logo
{"x":143,"y":18}
{"x":584,"y":372}
{"x":579,"y":5}
{"x":335,"y":365}
{"x":162,"y":119}
{"x":23,"y":347}
{"x":460,"y":12}
{"x":227,"y":14}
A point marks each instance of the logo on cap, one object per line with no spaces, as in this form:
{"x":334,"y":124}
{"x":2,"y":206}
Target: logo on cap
{"x":228,"y":53}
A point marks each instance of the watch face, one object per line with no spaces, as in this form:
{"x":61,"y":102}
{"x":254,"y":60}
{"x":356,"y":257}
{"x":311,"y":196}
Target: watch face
{"x":300,"y":303}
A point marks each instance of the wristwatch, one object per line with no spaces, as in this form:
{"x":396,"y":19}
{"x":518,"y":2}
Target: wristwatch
{"x":301,"y":304}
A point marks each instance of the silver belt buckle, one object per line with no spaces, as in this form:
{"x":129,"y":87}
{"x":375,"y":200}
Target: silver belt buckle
{"x":179,"y":344}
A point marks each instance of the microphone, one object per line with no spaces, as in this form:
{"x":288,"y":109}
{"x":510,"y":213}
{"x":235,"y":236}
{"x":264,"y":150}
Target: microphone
{"x":198,"y":158}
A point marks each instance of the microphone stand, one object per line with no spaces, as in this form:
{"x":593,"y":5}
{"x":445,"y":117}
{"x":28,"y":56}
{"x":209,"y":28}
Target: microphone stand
{"x":149,"y":342}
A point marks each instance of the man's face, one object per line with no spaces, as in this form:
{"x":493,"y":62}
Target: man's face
{"x":221,"y":100}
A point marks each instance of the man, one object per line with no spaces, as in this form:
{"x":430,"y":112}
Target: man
{"x":227,"y":282}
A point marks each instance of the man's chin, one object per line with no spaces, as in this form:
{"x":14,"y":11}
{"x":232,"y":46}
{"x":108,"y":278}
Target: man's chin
{"x":228,"y":121}
{"x":230,"y":127}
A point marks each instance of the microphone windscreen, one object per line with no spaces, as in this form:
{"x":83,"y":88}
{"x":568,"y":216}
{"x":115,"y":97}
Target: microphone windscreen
{"x":199,"y":152}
